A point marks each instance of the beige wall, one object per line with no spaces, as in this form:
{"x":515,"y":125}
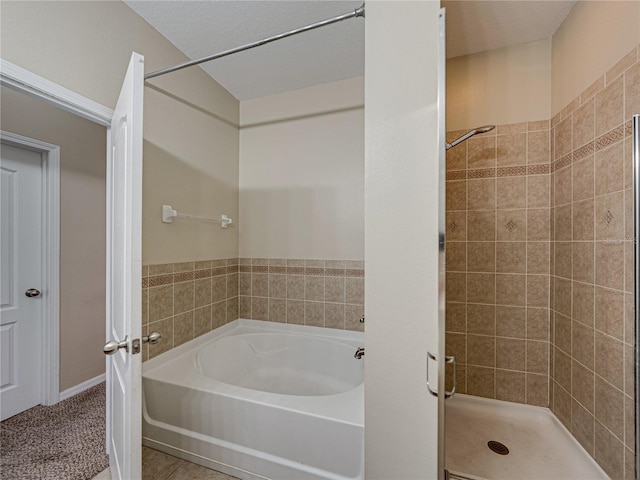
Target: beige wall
{"x":302,"y":173}
{"x":501,"y":86}
{"x":190,"y":132}
{"x":401,"y":231}
{"x":82,"y":227}
{"x":191,"y":138}
{"x":592,"y":39}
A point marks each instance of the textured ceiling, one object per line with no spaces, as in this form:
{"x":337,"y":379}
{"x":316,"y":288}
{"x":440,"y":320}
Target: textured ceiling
{"x":335,"y":52}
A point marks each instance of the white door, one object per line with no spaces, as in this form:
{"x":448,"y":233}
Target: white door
{"x":21,"y":266}
{"x":124,"y":277}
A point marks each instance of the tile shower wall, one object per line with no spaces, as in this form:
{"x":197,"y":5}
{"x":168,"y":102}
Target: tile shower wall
{"x":321,"y":293}
{"x":185,"y":300}
{"x":592,"y":384}
{"x":498,"y":199}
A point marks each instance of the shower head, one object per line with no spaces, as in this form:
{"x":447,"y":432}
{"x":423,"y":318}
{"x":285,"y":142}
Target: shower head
{"x":469,"y":134}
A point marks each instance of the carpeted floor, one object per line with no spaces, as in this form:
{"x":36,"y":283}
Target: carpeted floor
{"x":63,"y":442}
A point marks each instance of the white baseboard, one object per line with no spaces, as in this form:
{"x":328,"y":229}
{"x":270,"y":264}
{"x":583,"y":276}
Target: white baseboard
{"x":81,"y":387}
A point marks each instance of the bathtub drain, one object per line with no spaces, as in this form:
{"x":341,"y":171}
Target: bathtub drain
{"x":497,"y":447}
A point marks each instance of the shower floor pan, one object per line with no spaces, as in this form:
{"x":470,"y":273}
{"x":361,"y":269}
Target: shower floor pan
{"x":540,"y":447}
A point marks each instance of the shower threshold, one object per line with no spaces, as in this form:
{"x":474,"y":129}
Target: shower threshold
{"x":539,"y":446}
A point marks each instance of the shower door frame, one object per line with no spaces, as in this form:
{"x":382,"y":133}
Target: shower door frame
{"x":635,"y":142}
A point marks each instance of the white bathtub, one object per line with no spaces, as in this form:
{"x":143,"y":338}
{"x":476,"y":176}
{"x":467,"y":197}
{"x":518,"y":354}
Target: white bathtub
{"x":260,"y":400}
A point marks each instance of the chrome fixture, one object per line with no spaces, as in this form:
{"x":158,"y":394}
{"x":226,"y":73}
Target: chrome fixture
{"x":358,"y":12}
{"x":475,"y":131}
{"x":359,"y":353}
{"x":152,"y":338}
{"x":112,"y":347}
{"x":32,"y":292}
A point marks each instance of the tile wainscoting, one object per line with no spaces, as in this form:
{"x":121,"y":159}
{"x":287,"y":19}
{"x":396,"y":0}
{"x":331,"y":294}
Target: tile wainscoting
{"x":185,"y":300}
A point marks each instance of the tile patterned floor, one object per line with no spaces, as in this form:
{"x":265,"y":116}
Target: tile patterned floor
{"x":160,"y":466}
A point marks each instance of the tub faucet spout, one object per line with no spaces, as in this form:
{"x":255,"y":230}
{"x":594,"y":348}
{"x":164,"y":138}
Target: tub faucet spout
{"x":359,"y":353}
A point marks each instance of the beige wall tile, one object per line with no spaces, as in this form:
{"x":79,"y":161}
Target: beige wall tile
{"x":481,"y":226}
{"x":510,"y":354}
{"x":232,"y":285}
{"x":563,"y":259}
{"x":456,"y":225}
{"x":583,"y":226}
{"x":584,"y":124}
{"x":582,"y":348}
{"x":165,"y":328}
{"x":202,"y":320}
{"x":295,"y":287}
{"x":456,"y":195}
{"x":260,"y":285}
{"x":609,"y":451}
{"x":183,"y":328}
{"x":511,"y":257}
{"x":145,"y":306}
{"x":609,"y":106}
{"x":510,"y":386}
{"x":609,"y":404}
{"x":511,"y":321}
{"x":481,"y":257}
{"x":609,"y":169}
{"x":481,"y":152}
{"x":259,"y":308}
{"x":538,"y":324}
{"x":511,"y":289}
{"x":511,"y":128}
{"x":609,"y":312}
{"x":511,"y":225}
{"x":456,"y":256}
{"x":562,"y":228}
{"x":583,"y":303}
{"x":456,"y":317}
{"x":202,"y":292}
{"x":582,"y":425}
{"x":562,"y":184}
{"x":609,"y":360}
{"x":562,"y":333}
{"x":314,"y":314}
{"x":583,"y":178}
{"x":456,"y":287}
{"x":629,"y":422}
{"x":583,"y":261}
{"x":538,"y":191}
{"x":456,"y":345}
{"x":334,"y":289}
{"x":457,"y":156}
{"x":481,"y":319}
{"x":481,"y":381}
{"x":481,"y":288}
{"x":224,"y":312}
{"x":511,"y":192}
{"x":244,"y":307}
{"x":561,"y":405}
{"x":538,"y":151}
{"x":511,"y":149}
{"x":537,"y":390}
{"x":538,"y":224}
{"x":295,"y":312}
{"x":537,"y":358}
{"x":563,"y":138}
{"x":562,"y":369}
{"x":334,"y":315}
{"x":314,"y":288}
{"x":481,"y":350}
{"x":481,"y":194}
{"x":583,"y":386}
{"x":160,"y":302}
{"x":278,"y":310}
{"x":183,"y":297}
{"x":537,"y":291}
{"x":609,"y":265}
{"x":219,"y":287}
{"x":244,"y":283}
{"x":352,"y":316}
{"x":537,"y":257}
{"x":354,"y":291}
{"x":277,"y":286}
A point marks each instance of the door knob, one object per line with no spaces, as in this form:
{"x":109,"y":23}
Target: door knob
{"x":32,"y":292}
{"x":152,"y":338}
{"x":112,"y":347}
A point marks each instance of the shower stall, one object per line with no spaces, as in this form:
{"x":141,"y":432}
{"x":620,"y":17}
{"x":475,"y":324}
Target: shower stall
{"x":541,"y":291}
